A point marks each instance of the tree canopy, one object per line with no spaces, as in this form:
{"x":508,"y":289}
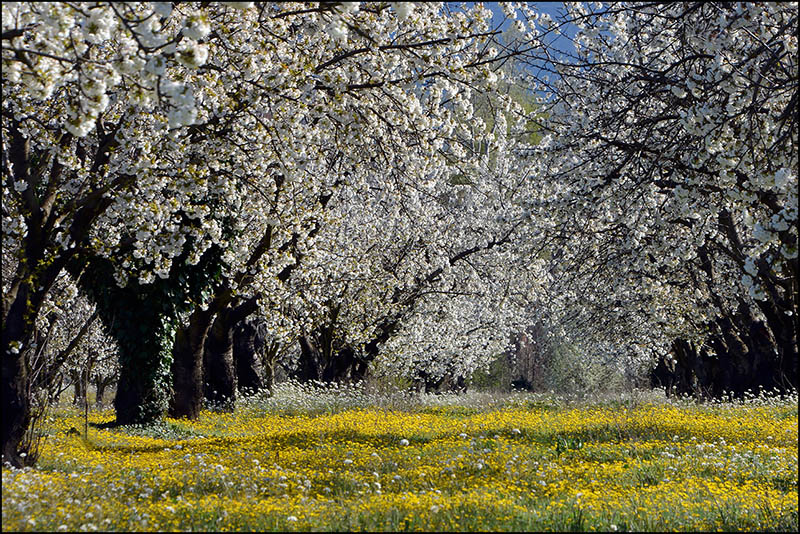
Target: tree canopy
{"x":398,"y":181}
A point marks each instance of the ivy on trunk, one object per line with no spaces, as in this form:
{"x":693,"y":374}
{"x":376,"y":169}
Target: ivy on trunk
{"x":143,"y":319}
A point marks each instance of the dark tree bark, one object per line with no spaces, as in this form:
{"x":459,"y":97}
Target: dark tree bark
{"x":663,"y":375}
{"x":248,"y":342}
{"x":20,"y":307}
{"x":100,"y":388}
{"x":340,"y":366}
{"x":219,"y":369}
{"x":16,"y":406}
{"x":269,"y":361}
{"x":321,"y":360}
{"x":747,"y":357}
{"x":430,"y":383}
{"x":78,"y":392}
{"x":269,"y":376}
{"x":310,"y":362}
{"x":187,"y":365}
{"x":144,"y":318}
{"x":449,"y":381}
{"x":219,"y":374}
{"x":141,"y":321}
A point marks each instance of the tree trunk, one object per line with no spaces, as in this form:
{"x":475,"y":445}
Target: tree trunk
{"x":247,"y":344}
{"x":748,"y":358}
{"x":100,"y":386}
{"x":783,"y":338}
{"x":142,"y":319}
{"x":269,"y":377}
{"x":77,"y":387}
{"x":310,"y":361}
{"x":268,"y":362}
{"x":143,"y":388}
{"x":339,"y":366}
{"x":187,"y":365}
{"x":663,"y":375}
{"x":321,"y":359}
{"x":359,"y":370}
{"x":219,"y":374}
{"x":16,"y":404}
{"x":21,"y":306}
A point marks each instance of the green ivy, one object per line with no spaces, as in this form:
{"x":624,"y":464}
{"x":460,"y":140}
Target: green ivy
{"x":143,"y":319}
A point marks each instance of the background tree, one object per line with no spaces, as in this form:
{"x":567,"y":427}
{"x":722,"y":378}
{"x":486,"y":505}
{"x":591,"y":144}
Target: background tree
{"x":348,"y":170}
{"x":671,"y":166}
{"x":81,"y":82}
{"x":123,"y":121}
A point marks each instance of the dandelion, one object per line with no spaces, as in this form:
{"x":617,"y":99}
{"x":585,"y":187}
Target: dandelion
{"x":291,"y":519}
{"x":404,"y":442}
{"x":442,"y":460}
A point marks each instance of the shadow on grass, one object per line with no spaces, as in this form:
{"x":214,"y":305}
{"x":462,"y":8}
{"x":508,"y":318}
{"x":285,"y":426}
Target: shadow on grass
{"x":191,"y":441}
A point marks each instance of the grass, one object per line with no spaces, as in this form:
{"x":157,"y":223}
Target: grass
{"x":340,"y":459}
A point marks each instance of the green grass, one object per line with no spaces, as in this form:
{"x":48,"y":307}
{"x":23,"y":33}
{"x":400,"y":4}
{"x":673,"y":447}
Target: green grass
{"x":443,"y":463}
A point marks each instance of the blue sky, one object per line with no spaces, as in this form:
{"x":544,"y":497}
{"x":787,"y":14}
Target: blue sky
{"x":551,"y":8}
{"x":548,"y":7}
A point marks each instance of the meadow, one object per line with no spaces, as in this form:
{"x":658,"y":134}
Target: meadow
{"x":342,"y":459}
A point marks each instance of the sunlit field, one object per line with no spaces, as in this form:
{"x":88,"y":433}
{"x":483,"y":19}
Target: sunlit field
{"x":342,"y":459}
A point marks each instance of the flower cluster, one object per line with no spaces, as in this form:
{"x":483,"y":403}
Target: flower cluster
{"x":425,"y":464}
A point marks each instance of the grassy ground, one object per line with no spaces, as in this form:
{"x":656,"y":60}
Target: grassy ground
{"x":344,"y":460}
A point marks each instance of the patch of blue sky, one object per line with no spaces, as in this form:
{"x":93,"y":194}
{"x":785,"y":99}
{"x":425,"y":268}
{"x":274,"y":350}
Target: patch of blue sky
{"x":554,"y":9}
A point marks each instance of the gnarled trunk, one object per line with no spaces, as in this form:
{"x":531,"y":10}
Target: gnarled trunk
{"x":20,"y":308}
{"x":187,"y":365}
{"x":219,"y":374}
{"x":78,"y":392}
{"x":100,"y":386}
{"x":247,"y":345}
{"x":748,"y":357}
{"x":321,"y":360}
{"x":16,"y":405}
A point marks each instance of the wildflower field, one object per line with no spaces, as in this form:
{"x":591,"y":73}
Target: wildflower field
{"x":344,"y":460}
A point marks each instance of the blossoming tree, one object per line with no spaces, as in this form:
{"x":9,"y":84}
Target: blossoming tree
{"x":155,"y":145}
{"x":671,"y":166}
